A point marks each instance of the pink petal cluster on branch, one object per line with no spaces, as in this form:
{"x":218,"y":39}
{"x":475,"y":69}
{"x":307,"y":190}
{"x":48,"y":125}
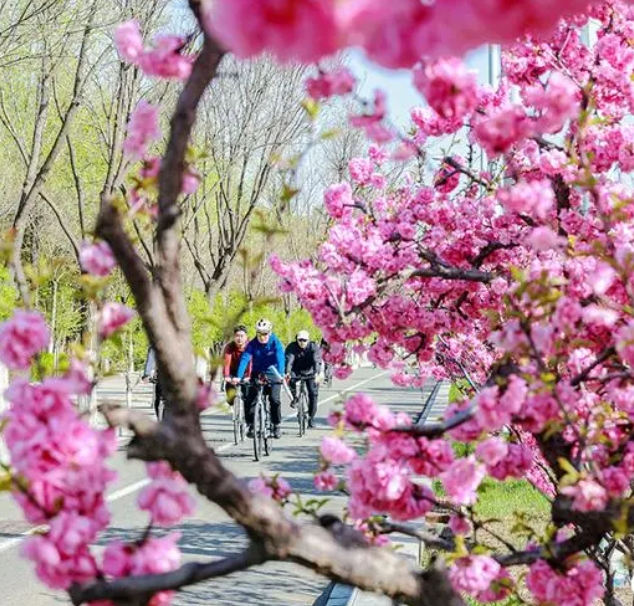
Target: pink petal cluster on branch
{"x":395,"y":34}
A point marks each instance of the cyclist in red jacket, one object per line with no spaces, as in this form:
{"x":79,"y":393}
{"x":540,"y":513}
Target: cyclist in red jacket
{"x":232,"y":354}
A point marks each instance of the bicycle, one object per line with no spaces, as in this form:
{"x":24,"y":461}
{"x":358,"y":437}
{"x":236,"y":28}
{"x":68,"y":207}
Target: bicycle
{"x":237,"y":415}
{"x":302,"y":406}
{"x":261,"y":422}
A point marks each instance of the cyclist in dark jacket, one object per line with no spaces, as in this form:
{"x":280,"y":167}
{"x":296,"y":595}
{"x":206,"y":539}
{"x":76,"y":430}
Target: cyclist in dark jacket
{"x":303,"y":361}
{"x":264,"y":351}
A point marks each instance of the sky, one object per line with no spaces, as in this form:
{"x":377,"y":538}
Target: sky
{"x":402,"y":95}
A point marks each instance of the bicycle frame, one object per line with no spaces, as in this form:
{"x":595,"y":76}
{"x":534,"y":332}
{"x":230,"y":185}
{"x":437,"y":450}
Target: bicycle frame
{"x":261,"y":422}
{"x":237,"y":412}
{"x":302,"y":406}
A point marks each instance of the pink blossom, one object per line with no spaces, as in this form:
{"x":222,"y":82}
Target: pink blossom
{"x":336,"y":452}
{"x":165,"y":59}
{"x":544,"y":238}
{"x":473,"y":574}
{"x":433,"y":457}
{"x":624,"y":342}
{"x":361,"y":170}
{"x":325,"y":480}
{"x":517,"y":463}
{"x":450,"y":89}
{"x":360,"y":410}
{"x":535,"y":198}
{"x":459,"y":525}
{"x":582,"y":584}
{"x":21,"y":337}
{"x":587,"y":495}
{"x":498,"y":132}
{"x":558,"y":101}
{"x":616,"y":481}
{"x":292,"y":31}
{"x":112,"y":317}
{"x":166,"y":498}
{"x":492,"y":451}
{"x":461,"y":480}
{"x":77,"y":378}
{"x":129,"y":42}
{"x":97,"y":259}
{"x":191,"y":181}
{"x":143,"y":128}
{"x":339,"y":81}
{"x":338,"y":200}
{"x":275,"y":488}
{"x":55,"y":569}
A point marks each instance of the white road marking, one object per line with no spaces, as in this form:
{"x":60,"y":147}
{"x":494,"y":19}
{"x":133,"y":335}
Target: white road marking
{"x":132,"y":488}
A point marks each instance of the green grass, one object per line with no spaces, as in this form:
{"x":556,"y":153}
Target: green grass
{"x":455,"y":394}
{"x":501,"y":499}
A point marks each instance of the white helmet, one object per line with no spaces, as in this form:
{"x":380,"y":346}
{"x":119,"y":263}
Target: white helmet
{"x":263,"y":326}
{"x":303,"y":335}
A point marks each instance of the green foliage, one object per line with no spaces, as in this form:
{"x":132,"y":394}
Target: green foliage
{"x":8,"y":294}
{"x":131,"y":341}
{"x":46,"y":366}
{"x":459,"y":390}
{"x":212,"y":324}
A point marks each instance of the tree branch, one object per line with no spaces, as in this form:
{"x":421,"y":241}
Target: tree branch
{"x":62,"y":223}
{"x":143,"y":587}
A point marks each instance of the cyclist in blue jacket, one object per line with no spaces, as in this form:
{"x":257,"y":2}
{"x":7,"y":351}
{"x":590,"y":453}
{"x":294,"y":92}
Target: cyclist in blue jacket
{"x":264,"y":351}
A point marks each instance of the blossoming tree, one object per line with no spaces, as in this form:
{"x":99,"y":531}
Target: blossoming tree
{"x":517,"y":279}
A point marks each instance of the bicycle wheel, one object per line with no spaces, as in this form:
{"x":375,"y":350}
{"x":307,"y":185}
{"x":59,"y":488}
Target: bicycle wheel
{"x":267,"y":433}
{"x":301,"y":412}
{"x":241,"y":420}
{"x":235,"y":415}
{"x":258,"y":427}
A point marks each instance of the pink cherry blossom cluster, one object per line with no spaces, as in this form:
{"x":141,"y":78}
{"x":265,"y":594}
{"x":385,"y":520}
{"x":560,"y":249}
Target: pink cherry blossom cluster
{"x":395,"y":34}
{"x":61,"y":461}
{"x":514,"y":277}
{"x":60,"y":477}
{"x":336,"y":82}
{"x":166,"y":498}
{"x":155,"y":555}
{"x":164,"y":60}
{"x":22,"y":337}
{"x":272,"y":487}
{"x":143,"y":128}
{"x":113,"y":317}
{"x":481,"y":577}
{"x":582,"y":584}
{"x":97,"y":258}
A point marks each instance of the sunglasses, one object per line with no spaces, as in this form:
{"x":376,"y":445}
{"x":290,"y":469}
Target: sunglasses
{"x":303,"y":340}
{"x":262,"y":334}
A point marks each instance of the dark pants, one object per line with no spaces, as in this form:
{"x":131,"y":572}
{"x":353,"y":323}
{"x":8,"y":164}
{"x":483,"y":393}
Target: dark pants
{"x":158,"y":396}
{"x":274,"y":393}
{"x":311,"y":388}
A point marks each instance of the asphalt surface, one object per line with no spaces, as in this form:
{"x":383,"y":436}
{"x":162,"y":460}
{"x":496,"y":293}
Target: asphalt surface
{"x":209,"y":534}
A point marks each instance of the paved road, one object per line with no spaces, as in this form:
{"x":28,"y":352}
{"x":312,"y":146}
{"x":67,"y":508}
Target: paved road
{"x":209,"y":534}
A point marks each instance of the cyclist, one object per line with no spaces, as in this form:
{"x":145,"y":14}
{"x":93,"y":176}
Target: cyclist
{"x":264,"y":351}
{"x":303,"y":361}
{"x":150,"y":373}
{"x":231,"y":354}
